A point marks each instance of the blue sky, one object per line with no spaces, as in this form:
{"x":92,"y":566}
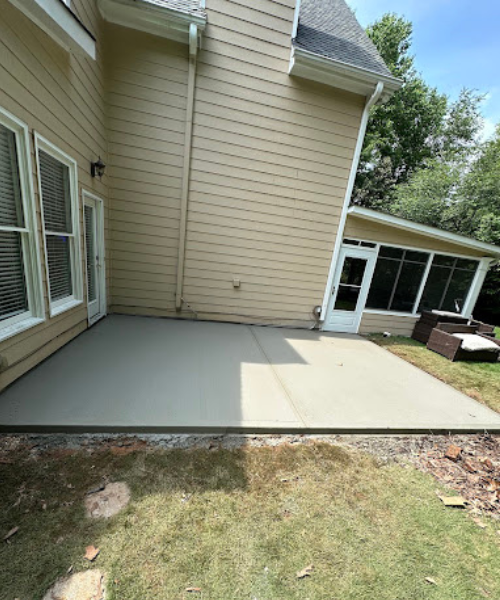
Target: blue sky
{"x":456,"y":44}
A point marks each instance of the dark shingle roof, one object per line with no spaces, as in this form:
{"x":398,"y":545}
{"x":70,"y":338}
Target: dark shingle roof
{"x":330,"y":29}
{"x":191,"y":7}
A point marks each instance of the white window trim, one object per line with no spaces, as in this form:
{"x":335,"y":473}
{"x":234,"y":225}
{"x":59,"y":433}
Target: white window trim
{"x":31,"y":250}
{"x":474,"y":290}
{"x":64,"y":304}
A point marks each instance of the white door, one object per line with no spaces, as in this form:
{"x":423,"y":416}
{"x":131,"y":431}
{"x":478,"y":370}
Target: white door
{"x":94,"y":253}
{"x":350,"y":289}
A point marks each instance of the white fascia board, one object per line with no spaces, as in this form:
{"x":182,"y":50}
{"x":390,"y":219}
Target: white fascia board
{"x":340,"y":75}
{"x":151,"y":18}
{"x":432,"y":232}
{"x":58,"y":20}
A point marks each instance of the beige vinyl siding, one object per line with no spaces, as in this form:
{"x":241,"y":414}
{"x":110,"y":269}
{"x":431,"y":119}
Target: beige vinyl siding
{"x":62,"y":98}
{"x":146,"y":95}
{"x":385,"y":234}
{"x":396,"y":325}
{"x":270,"y":163}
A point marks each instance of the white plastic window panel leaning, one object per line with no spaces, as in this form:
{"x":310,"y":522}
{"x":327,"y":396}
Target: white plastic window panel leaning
{"x":58,"y":187}
{"x":21,"y":290}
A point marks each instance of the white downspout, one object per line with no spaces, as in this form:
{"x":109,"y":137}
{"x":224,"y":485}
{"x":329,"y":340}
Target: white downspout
{"x":188,"y":138}
{"x":348,"y":193}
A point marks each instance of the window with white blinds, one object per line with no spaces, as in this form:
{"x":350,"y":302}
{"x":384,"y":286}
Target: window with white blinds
{"x":58,"y":192}
{"x":21,"y":296}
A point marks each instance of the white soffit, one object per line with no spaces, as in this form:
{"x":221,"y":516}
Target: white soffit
{"x":339,"y":75}
{"x":426,"y":230}
{"x":151,"y":18}
{"x":60,"y":22}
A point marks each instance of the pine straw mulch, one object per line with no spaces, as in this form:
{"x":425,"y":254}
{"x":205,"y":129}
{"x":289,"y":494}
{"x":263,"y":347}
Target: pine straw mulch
{"x":468,"y":464}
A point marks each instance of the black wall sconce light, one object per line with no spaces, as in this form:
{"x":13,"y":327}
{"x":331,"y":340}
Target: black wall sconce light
{"x":97,"y":168}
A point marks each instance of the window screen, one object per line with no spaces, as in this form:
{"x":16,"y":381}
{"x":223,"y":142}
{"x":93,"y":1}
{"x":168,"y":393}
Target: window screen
{"x":13,"y":294}
{"x":59,"y":239}
{"x":397,"y":279}
{"x":448,"y":284}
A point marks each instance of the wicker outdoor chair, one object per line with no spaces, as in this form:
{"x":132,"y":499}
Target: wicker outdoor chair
{"x":465,"y":344}
{"x":430,"y":319}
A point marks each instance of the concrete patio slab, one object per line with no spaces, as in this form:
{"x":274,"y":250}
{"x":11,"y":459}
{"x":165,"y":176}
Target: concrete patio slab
{"x":145,"y":374}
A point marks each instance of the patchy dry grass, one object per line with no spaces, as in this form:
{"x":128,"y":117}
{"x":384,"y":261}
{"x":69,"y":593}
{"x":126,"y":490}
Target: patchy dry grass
{"x":240,"y":523}
{"x":480,"y":381}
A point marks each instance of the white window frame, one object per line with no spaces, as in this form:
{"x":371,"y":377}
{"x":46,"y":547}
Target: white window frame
{"x":29,"y":234}
{"x":474,"y":290}
{"x":64,"y":304}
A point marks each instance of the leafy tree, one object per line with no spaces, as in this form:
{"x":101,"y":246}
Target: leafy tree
{"x":399,"y":132}
{"x":417,"y":126}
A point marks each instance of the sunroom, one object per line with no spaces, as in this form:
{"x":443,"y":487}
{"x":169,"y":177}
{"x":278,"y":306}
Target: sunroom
{"x":389,"y":270}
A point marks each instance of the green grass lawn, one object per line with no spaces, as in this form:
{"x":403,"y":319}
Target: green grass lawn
{"x":480,"y":381}
{"x":225,"y":521}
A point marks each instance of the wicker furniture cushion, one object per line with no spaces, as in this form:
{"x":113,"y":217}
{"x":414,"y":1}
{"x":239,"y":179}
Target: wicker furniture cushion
{"x":473,"y":343}
{"x":447,"y":313}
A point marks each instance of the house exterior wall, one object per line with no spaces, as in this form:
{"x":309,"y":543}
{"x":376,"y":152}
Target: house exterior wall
{"x":362,"y":229}
{"x":270,"y":161}
{"x":146,"y":99}
{"x":61,"y":97}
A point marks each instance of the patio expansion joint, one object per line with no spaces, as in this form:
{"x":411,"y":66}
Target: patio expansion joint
{"x":278,"y":378}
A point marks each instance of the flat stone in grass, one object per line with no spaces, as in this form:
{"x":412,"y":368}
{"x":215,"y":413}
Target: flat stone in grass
{"x":87,"y":585}
{"x":109,"y":501}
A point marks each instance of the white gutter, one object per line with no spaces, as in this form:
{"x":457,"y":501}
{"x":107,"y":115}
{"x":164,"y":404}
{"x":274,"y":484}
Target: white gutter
{"x":374,"y":98}
{"x":188,"y":140}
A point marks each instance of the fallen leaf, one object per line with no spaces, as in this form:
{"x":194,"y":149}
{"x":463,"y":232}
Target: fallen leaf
{"x":453,"y":452}
{"x":12,"y":532}
{"x":469,"y":467}
{"x":306,"y":572}
{"x":487,"y":463}
{"x":493,"y":485}
{"x":91,"y":553}
{"x":453,"y":501}
{"x":479,"y":523}
{"x":430,"y":580}
{"x":193,"y":589}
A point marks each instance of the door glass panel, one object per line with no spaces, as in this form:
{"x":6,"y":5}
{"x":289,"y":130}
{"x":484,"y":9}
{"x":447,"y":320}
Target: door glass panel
{"x":350,"y":284}
{"x":353,"y":271}
{"x":347,"y":298}
{"x":90,"y":245}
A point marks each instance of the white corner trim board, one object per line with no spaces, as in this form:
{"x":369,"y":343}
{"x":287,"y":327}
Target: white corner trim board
{"x":59,"y":21}
{"x":371,"y":101}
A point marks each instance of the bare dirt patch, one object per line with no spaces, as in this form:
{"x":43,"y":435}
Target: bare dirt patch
{"x":109,"y":501}
{"x":87,"y":585}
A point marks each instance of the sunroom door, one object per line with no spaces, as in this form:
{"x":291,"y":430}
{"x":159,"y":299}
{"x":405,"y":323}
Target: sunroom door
{"x":351,"y":284}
